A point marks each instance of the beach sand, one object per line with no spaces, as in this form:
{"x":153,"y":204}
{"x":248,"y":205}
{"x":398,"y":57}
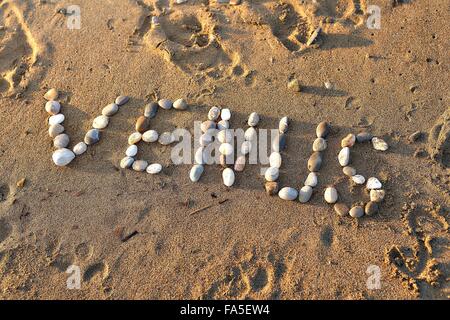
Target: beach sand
{"x":131,"y":234}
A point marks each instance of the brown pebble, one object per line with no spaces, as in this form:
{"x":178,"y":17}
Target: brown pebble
{"x":239,"y":165}
{"x":294,"y":85}
{"x":20,"y":184}
{"x":271,"y":188}
{"x":142,"y":124}
{"x":371,"y":208}
{"x":322,"y":130}
{"x":348,"y":141}
{"x":315,"y":162}
{"x":341,"y":209}
{"x":349,"y":171}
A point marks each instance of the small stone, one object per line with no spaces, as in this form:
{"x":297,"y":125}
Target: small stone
{"x":315,"y":162}
{"x":225,"y":114}
{"x":92,"y":137}
{"x":56,"y":119}
{"x":21,"y":183}
{"x":246,"y":147}
{"x":196,"y":172}
{"x":134,"y":138}
{"x":373,"y":183}
{"x":305,"y":194}
{"x":226,"y":149}
{"x":80,"y":148}
{"x":253,"y":119}
{"x":62,"y":157}
{"x":223,"y":124}
{"x":377,"y":195}
{"x":55,"y":130}
{"x":271,"y":188}
{"x":121,"y":100}
{"x":331,"y":195}
{"x":272,"y":174}
{"x":414,"y":136}
{"x":166,"y":138}
{"x":371,"y":208}
{"x":328,"y":85}
{"x":142,"y":124}
{"x":319,"y":144}
{"x":154,"y":168}
{"x":312,"y":180}
{"x":151,"y":110}
{"x":344,"y":156}
{"x":279,"y":142}
{"x":250,"y":134}
{"x":132,"y":150}
{"x":100,"y":122}
{"x":110,"y":110}
{"x":180,"y":104}
{"x":180,"y":1}
{"x":348,"y":141}
{"x":51,"y":95}
{"x":228,"y":177}
{"x":165,"y":104}
{"x":283,"y":126}
{"x":341,"y":209}
{"x":140,"y":165}
{"x":364,"y":137}
{"x":205,"y":139}
{"x":150,"y":136}
{"x":126,"y":162}
{"x":356,"y":212}
{"x":349,"y":171}
{"x":322,"y":130}
{"x":358,"y":179}
{"x":207,"y":125}
{"x":213,"y":113}
{"x":239,"y":165}
{"x":379,"y":144}
{"x":288,"y":193}
{"x":294,"y":85}
{"x":275,"y":159}
{"x":61,"y":141}
{"x":225,"y":136}
{"x":198,"y":156}
{"x":53,"y":107}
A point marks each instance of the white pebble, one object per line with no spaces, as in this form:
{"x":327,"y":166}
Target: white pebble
{"x":331,"y":195}
{"x":288,"y":193}
{"x":226,"y":149}
{"x":198,"y":156}
{"x":180,"y":104}
{"x":275,"y":159}
{"x":132,"y":150}
{"x":223,"y":124}
{"x":228,"y":177}
{"x":283,"y":125}
{"x":319,"y":144}
{"x":80,"y":148}
{"x":61,"y":141}
{"x":150,"y":136}
{"x":154,"y":168}
{"x":358,"y":179}
{"x":344,"y":156}
{"x":213,"y":113}
{"x":225,"y":136}
{"x":196,"y":172}
{"x":272,"y":174}
{"x":134,"y":138}
{"x":225,"y":114}
{"x":250,"y":134}
{"x":126,"y":162}
{"x":101,"y":122}
{"x":305,"y":194}
{"x":53,"y":107}
{"x":379,"y":144}
{"x":246,"y":147}
{"x":205,"y":139}
{"x":62,"y":157}
{"x":166,"y":138}
{"x":373,"y":183}
{"x":312,"y":180}
{"x":110,"y":110}
{"x":56,"y":119}
{"x":165,"y":104}
{"x":253,"y":119}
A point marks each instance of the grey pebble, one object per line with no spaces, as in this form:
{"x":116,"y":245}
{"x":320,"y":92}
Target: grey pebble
{"x":110,"y":110}
{"x":288,"y":193}
{"x":121,"y":100}
{"x":55,"y":130}
{"x":196,"y":172}
{"x":92,"y":137}
{"x":126,"y":162}
{"x":140,"y":165}
{"x":364,"y":136}
{"x":349,"y":171}
{"x":151,"y":110}
{"x":371,"y":208}
{"x":53,"y":107}
{"x":319,"y":144}
{"x":61,"y":141}
{"x":315,"y":162}
{"x":165,"y":104}
{"x":322,"y":130}
{"x":356,"y":212}
{"x":305,"y":194}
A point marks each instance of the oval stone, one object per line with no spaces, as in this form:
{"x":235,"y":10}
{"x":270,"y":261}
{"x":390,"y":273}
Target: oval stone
{"x":271,"y":188}
{"x":348,"y":141}
{"x":349,"y":171}
{"x":288,"y":193}
{"x":92,"y":137}
{"x":225,"y":114}
{"x":154,"y":168}
{"x":225,"y":136}
{"x":213,"y":113}
{"x":322,"y":130}
{"x":166,"y":138}
{"x":150,"y":136}
{"x":121,"y":100}
{"x":331,"y":195}
{"x":61,"y":141}
{"x":55,"y":130}
{"x":246,"y":147}
{"x":283,"y":126}
{"x":305,"y":194}
{"x":356,"y":212}
{"x":198,"y":156}
{"x":142,"y":124}
{"x":134,"y":138}
{"x":53,"y":107}
{"x":205,"y":139}
{"x":371,"y":208}
{"x":110,"y":110}
{"x":373,"y":183}
{"x":315,"y":162}
{"x":196,"y":172}
{"x":228,"y":177}
{"x":358,"y":179}
{"x":379,"y":144}
{"x":250,"y":134}
{"x":62,"y":157}
{"x":344,"y":156}
{"x":312,"y":180}
{"x":275,"y":159}
{"x":80,"y":148}
{"x":319,"y":144}
{"x":132,"y":150}
{"x":253,"y":119}
{"x":100,"y":122}
{"x":56,"y":119}
{"x":126,"y":162}
{"x":377,"y":195}
{"x":151,"y":110}
{"x":140,"y":165}
{"x":239,"y":165}
{"x":364,"y":136}
{"x":165,"y":104}
{"x":180,"y":104}
{"x":226,"y":149}
{"x":272,"y":174}
{"x":341,"y":209}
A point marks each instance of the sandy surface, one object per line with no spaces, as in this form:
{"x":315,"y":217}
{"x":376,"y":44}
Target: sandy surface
{"x":393,"y":81}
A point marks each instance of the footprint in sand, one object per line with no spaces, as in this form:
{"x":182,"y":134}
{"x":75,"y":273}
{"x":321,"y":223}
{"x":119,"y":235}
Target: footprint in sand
{"x":5,"y":230}
{"x":98,"y":270}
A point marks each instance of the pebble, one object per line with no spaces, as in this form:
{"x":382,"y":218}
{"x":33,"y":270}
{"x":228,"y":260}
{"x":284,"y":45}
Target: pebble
{"x":371,"y":208}
{"x":356,"y":212}
{"x":51,"y":94}
{"x":140,"y":165}
{"x":253,"y":119}
{"x":110,"y":110}
{"x":275,"y":159}
{"x":348,"y":141}
{"x":315,"y":162}
{"x":358,"y":179}
{"x":305,"y":194}
{"x":100,"y":122}
{"x":62,"y":157}
{"x":92,"y":137}
{"x":225,"y":114}
{"x":196,"y":172}
{"x":126,"y":162}
{"x":279,"y":143}
{"x":228,"y":177}
{"x":154,"y":168}
{"x":80,"y":148}
{"x":246,"y":147}
{"x":205,"y":139}
{"x":225,"y":136}
{"x":142,"y":124}
{"x":180,"y":104}
{"x":250,"y":134}
{"x":283,"y":126}
{"x":288,"y":193}
{"x":239,"y":165}
{"x":331,"y":195}
{"x":226,"y":149}
{"x":223,"y":124}
{"x":328,"y":85}
{"x":151,"y":110}
{"x":344,"y":156}
{"x":373,"y":183}
{"x":165,"y":104}
{"x":379,"y":144}
{"x":198,"y":156}
{"x":134,"y":138}
{"x":121,"y":100}
{"x":271,"y":188}
{"x":377,"y":195}
{"x":150,"y":136}
{"x":341,"y":209}
{"x":53,"y":107}
{"x":55,"y":129}
{"x":364,"y":136}
{"x":207,"y":125}
{"x":56,"y":119}
{"x":294,"y":85}
{"x":213,"y":113}
{"x":272,"y":174}
{"x":319,"y":144}
{"x":61,"y":141}
{"x":349,"y":171}
{"x":166,"y":138}
{"x":312,"y":180}
{"x":322,"y":130}
{"x":132,"y":150}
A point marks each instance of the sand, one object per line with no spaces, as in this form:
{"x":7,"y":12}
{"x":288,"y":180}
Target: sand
{"x":132,"y":235}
